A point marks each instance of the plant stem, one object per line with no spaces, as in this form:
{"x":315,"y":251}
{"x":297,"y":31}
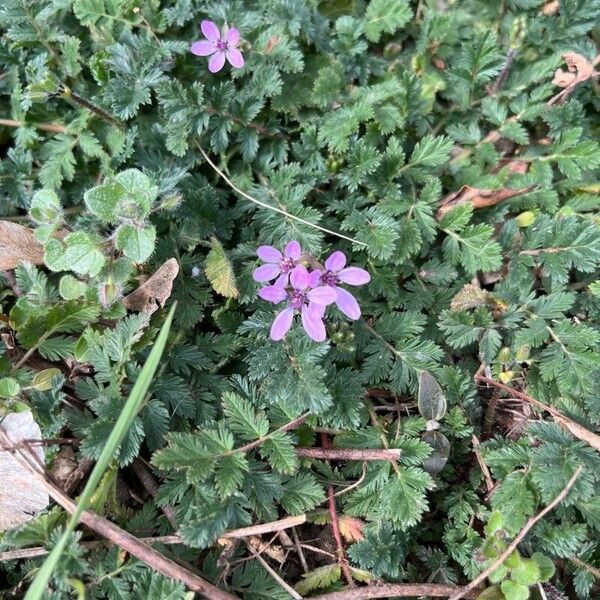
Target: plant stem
{"x":268,"y":206}
{"x":54,"y":128}
{"x":70,"y":94}
{"x":335,"y":526}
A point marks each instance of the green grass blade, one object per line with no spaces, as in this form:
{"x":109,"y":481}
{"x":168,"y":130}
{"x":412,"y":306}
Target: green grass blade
{"x":130,"y":410}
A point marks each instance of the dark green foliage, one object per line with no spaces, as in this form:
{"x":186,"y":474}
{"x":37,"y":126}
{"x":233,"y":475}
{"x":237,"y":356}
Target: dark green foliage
{"x":386,"y":121}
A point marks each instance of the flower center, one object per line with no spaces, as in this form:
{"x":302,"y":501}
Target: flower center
{"x":329,"y":278}
{"x":286,"y":265}
{"x":221,"y":45}
{"x":297,"y":299}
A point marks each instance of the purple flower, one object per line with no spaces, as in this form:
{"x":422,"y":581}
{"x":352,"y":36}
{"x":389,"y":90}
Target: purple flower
{"x":334,"y":274}
{"x":219,"y":46}
{"x":309,"y":302}
{"x":277,"y":264}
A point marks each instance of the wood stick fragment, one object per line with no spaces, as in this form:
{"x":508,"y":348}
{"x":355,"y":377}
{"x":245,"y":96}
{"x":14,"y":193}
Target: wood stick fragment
{"x":349,"y":453}
{"x":394,"y":590}
{"x":263,"y":528}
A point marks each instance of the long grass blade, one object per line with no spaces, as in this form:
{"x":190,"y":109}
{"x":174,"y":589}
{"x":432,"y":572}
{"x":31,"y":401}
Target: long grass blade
{"x":128,"y":413}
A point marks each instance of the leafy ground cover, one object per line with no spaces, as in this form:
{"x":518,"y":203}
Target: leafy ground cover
{"x":375,"y":228}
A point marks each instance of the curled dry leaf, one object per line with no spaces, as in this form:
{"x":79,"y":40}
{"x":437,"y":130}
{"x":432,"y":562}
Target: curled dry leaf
{"x":478,"y":198}
{"x":579,"y":69}
{"x":17,"y":245}
{"x":472,"y":296}
{"x":22,"y":495}
{"x":154,"y":292}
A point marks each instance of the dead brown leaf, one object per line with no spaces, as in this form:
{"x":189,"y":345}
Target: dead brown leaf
{"x":472,"y":296}
{"x":271,"y":550}
{"x":17,"y":245}
{"x":579,"y":69}
{"x":153,"y":293}
{"x":351,"y":528}
{"x":478,"y":198}
{"x":550,"y":8}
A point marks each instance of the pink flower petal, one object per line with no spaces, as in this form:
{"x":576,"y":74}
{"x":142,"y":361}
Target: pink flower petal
{"x":216,"y":62}
{"x":232,"y":37}
{"x":203,"y":48}
{"x":281,"y":324}
{"x":210,"y":30}
{"x":266,"y":272}
{"x":314,"y":279}
{"x":299,"y":277}
{"x":336,"y":262}
{"x":282,"y":280}
{"x":269,"y":254}
{"x":318,"y":309}
{"x":273,"y":293}
{"x":323,"y":295}
{"x":354,"y":276}
{"x":347,"y":303}
{"x":292,"y":250}
{"x":235,"y":58}
{"x":313,"y":324}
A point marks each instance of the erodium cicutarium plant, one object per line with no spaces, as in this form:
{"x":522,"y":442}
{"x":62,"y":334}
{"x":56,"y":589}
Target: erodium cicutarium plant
{"x":307,"y":292}
{"x":219,"y":45}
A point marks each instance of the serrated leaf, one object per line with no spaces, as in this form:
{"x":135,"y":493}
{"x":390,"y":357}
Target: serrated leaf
{"x":385,"y":16}
{"x":219,"y":271}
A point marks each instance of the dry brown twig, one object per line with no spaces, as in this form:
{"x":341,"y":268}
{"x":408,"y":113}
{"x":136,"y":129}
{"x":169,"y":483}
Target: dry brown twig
{"x":335,"y":526}
{"x":120,"y":537}
{"x":489,"y":482}
{"x":575,"y":428}
{"x":394,"y":590}
{"x":349,"y":453}
{"x":518,"y":538}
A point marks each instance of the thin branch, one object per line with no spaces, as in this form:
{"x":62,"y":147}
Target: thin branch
{"x":335,"y":526}
{"x":589,"y":568}
{"x":100,"y":112}
{"x":510,"y":57}
{"x":291,"y":425}
{"x":489,"y":482}
{"x":268,"y":206}
{"x":349,"y":453}
{"x":118,"y":536}
{"x":151,"y":486}
{"x":290,"y":590}
{"x":299,"y":551}
{"x":519,"y":538}
{"x":52,"y":127}
{"x":41,"y":551}
{"x":575,"y":428}
{"x":394,"y":590}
